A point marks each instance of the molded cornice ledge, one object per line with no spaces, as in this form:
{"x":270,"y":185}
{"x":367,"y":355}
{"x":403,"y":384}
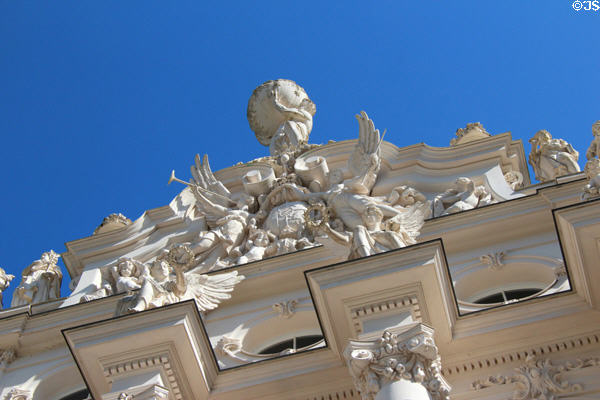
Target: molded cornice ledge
{"x":404,"y":365}
{"x":397,"y":289}
{"x":169,"y":342}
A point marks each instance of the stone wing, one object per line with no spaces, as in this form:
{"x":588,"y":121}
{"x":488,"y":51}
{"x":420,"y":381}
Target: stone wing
{"x":367,"y":151}
{"x":210,"y":290}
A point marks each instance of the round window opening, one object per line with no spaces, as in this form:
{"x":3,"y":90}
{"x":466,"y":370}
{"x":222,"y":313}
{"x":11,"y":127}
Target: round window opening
{"x":292,"y":345}
{"x":505,"y":296}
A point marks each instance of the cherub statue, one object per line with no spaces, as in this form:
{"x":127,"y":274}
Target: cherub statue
{"x":374,"y":235}
{"x":168,"y":283}
{"x":129,"y":274}
{"x":258,"y":245}
{"x":40,"y":281}
{"x":226,"y":215}
{"x":4,"y":282}
{"x":551,"y":158}
{"x":463,"y":196}
{"x":404,"y":196}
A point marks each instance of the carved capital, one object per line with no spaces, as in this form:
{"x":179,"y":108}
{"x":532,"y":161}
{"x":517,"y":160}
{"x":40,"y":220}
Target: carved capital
{"x":411,"y":356}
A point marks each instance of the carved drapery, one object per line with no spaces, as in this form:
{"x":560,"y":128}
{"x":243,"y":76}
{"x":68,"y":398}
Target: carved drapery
{"x":411,"y":356}
{"x":539,"y":378}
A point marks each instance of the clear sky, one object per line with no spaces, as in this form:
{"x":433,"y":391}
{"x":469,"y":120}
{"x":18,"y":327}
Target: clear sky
{"x":100,"y":100}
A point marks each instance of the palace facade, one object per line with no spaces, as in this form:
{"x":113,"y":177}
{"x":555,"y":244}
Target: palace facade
{"x":351,"y":270}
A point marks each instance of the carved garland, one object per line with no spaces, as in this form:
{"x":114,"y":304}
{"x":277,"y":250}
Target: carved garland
{"x":539,"y":378}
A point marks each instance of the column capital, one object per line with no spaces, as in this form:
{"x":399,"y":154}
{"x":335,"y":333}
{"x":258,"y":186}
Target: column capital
{"x":410,"y":355}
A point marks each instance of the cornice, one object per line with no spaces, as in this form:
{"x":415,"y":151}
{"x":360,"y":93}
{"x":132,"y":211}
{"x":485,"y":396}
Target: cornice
{"x":518,"y":355}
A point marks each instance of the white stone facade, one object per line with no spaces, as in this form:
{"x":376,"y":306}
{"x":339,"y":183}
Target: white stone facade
{"x":351,"y":270}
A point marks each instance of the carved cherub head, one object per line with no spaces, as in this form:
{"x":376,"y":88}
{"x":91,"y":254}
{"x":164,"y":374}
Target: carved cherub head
{"x":127,"y":267}
{"x":373,"y":217}
{"x":160,"y":269}
{"x":244,"y":201}
{"x":540,"y":137}
{"x":464,"y":184}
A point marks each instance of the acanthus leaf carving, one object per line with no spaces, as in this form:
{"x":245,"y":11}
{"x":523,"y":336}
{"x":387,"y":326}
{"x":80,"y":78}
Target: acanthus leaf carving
{"x":112,"y":222}
{"x":285,"y":309}
{"x":539,"y":378}
{"x":473,"y":131}
{"x":493,"y":260}
{"x":411,"y":356}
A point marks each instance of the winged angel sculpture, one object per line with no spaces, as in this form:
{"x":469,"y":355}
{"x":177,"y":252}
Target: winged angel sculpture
{"x":368,"y":224}
{"x":291,"y":214}
{"x":167,"y":280}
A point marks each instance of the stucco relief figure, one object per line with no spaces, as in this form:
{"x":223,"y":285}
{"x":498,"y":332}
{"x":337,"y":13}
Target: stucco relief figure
{"x":281,"y":115}
{"x":551,"y":158}
{"x":594,"y":150}
{"x":258,"y":245}
{"x":592,"y":166}
{"x":40,"y":281}
{"x":245,"y":228}
{"x":129,"y":274}
{"x":168,"y":282}
{"x":464,"y":195}
{"x":592,"y":172}
{"x":226,"y":215}
{"x":371,"y":225}
{"x":4,"y":282}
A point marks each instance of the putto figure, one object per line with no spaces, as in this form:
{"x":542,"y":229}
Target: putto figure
{"x":4,"y":282}
{"x":464,"y":195}
{"x":274,"y":214}
{"x":40,"y":281}
{"x":551,"y":158}
{"x":128,"y":274}
{"x":167,"y":282}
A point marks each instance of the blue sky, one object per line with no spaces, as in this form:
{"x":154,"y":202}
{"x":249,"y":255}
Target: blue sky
{"x":100,"y":100}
